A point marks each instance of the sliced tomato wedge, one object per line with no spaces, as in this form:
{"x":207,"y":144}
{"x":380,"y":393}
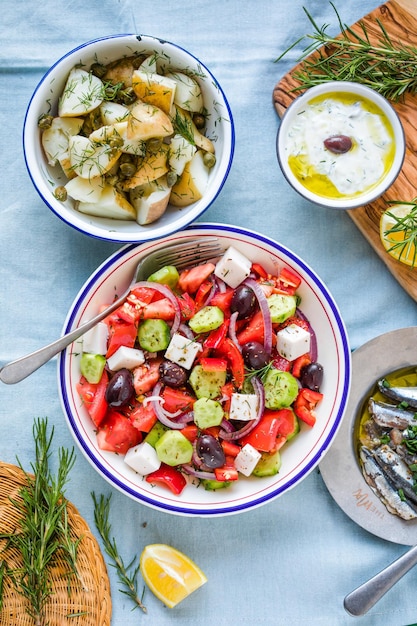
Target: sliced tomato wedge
{"x":117,"y":433}
{"x":159,"y":309}
{"x":213,"y":364}
{"x":187,"y":306}
{"x":121,"y":334}
{"x":146,"y":376}
{"x":94,"y":397}
{"x":253,"y":331}
{"x":190,"y":280}
{"x":177,"y":400}
{"x":143,"y":417}
{"x":223,"y":300}
{"x":263,"y":436}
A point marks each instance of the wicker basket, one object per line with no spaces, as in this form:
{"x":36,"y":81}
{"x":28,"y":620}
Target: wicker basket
{"x":89,"y":603}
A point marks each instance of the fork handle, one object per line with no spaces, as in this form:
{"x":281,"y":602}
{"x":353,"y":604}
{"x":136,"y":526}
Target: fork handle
{"x":359,"y":601}
{"x":17,"y":370}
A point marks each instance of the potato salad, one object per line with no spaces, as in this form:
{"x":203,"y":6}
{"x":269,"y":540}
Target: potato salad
{"x":129,"y":139}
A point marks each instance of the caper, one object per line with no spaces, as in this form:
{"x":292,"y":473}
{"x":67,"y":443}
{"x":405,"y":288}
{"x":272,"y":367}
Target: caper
{"x":209,"y":160}
{"x":112,"y":180}
{"x":199,"y":120}
{"x":171,"y":178}
{"x":45,"y":121}
{"x":115,"y":141}
{"x":128,"y":96}
{"x":154,"y":145}
{"x":98,"y":69}
{"x":128,"y":169}
{"x":60,"y":193}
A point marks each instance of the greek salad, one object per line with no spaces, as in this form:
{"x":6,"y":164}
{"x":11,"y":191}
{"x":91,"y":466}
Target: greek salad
{"x":204,"y":373}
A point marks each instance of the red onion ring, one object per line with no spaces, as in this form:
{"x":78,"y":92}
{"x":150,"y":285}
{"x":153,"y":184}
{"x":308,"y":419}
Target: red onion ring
{"x":266,"y":314}
{"x":197,"y":473}
{"x":163,"y":416}
{"x":165,"y":291}
{"x":232,"y":330}
{"x":238,"y":434}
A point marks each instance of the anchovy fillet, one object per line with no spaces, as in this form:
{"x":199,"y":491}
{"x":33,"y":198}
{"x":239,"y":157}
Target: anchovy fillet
{"x":399,"y":394}
{"x":383,"y":488}
{"x":391,"y":416}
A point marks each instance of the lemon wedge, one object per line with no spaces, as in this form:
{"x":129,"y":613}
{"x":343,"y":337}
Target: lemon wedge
{"x":170,"y":574}
{"x":395,"y":233}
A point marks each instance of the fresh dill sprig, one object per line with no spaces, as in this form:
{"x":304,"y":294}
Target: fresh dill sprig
{"x":43,"y":527}
{"x":127,"y":574}
{"x":407,"y":225}
{"x":389,"y":67}
{"x":183,"y":126}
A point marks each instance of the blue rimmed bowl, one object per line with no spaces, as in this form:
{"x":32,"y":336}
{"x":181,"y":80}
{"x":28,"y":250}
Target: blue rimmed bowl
{"x":46,"y":178}
{"x":299,"y":457}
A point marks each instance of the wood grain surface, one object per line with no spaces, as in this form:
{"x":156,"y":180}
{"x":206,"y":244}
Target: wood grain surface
{"x":399,"y":18}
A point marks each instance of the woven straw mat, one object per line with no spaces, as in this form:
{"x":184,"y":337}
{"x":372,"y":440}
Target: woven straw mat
{"x":90,"y":593}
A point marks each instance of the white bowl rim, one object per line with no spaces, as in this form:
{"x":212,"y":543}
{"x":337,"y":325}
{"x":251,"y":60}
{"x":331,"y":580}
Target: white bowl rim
{"x":210,"y":510}
{"x":398,"y":130}
{"x":96,"y":231}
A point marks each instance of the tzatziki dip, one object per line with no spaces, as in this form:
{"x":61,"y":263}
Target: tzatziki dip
{"x":340,"y":145}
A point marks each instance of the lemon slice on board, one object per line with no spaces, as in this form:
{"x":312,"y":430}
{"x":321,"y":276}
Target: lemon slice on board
{"x":398,"y":224}
{"x":170,"y":574}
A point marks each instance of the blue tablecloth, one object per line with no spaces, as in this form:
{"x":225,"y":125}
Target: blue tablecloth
{"x":292,"y":561}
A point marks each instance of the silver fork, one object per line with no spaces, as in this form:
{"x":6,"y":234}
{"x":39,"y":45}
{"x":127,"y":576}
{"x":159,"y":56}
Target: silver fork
{"x":182,"y":255}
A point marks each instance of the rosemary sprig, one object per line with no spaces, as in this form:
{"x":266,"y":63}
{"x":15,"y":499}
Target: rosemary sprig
{"x":389,"y":67}
{"x":407,"y":225}
{"x":43,"y":528}
{"x":127,"y":577}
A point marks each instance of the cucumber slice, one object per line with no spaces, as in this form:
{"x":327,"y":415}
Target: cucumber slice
{"x":206,"y":384}
{"x":173,"y":448}
{"x":154,"y":335}
{"x":212,"y":485}
{"x":207,"y":413}
{"x":281,"y":307}
{"x":206,"y":319}
{"x":92,"y":367}
{"x":268,"y":465}
{"x":167,"y":275}
{"x":281,"y":389}
{"x":155,"y":433}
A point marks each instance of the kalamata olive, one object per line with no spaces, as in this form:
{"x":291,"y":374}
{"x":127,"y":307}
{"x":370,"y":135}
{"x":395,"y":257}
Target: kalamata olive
{"x":243,"y":301}
{"x":312,"y":376}
{"x":172,"y":374}
{"x":210,"y":451}
{"x":338,"y":144}
{"x":255,"y":355}
{"x":120,"y":388}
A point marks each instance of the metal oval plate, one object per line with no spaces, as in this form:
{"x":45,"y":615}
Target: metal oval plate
{"x":340,"y":467}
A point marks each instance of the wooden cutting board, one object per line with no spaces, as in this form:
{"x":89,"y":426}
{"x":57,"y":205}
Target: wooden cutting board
{"x":399,"y":18}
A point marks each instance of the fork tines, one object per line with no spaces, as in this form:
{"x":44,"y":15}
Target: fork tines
{"x":193,"y":251}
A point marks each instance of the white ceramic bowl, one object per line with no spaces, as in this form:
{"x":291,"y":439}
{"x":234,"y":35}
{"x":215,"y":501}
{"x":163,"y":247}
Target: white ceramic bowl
{"x":299,"y":457}
{"x":219,"y":128}
{"x":302,"y":128}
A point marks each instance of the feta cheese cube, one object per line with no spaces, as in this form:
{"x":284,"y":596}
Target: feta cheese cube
{"x":142,"y":458}
{"x":125,"y":357}
{"x":182,"y":350}
{"x":243,"y":406}
{"x":293,"y":341}
{"x":95,"y":339}
{"x":247,"y":459}
{"x":233,"y":267}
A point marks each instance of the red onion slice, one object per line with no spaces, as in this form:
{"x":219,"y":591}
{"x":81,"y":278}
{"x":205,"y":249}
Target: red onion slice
{"x":163,"y":416}
{"x":189,"y":469}
{"x":238,"y":434}
{"x":313,"y":344}
{"x":165,"y":291}
{"x":232,"y":330}
{"x":266,"y":314}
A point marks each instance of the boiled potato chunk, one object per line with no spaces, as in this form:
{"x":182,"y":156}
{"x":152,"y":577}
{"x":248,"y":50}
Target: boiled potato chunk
{"x":150,"y":200}
{"x":185,"y":120}
{"x":150,"y":167}
{"x":147,"y":121}
{"x":85,"y":189}
{"x":89,"y":159}
{"x":82,"y":93}
{"x":121,"y":70}
{"x":188,"y":94}
{"x":154,"y":89}
{"x":118,"y":130}
{"x":192,"y":184}
{"x":180,"y":152}
{"x":111,"y":204}
{"x":55,"y":138}
{"x":112,"y":112}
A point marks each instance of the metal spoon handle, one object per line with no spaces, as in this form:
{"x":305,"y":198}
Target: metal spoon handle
{"x":17,"y":370}
{"x":359,"y":601}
